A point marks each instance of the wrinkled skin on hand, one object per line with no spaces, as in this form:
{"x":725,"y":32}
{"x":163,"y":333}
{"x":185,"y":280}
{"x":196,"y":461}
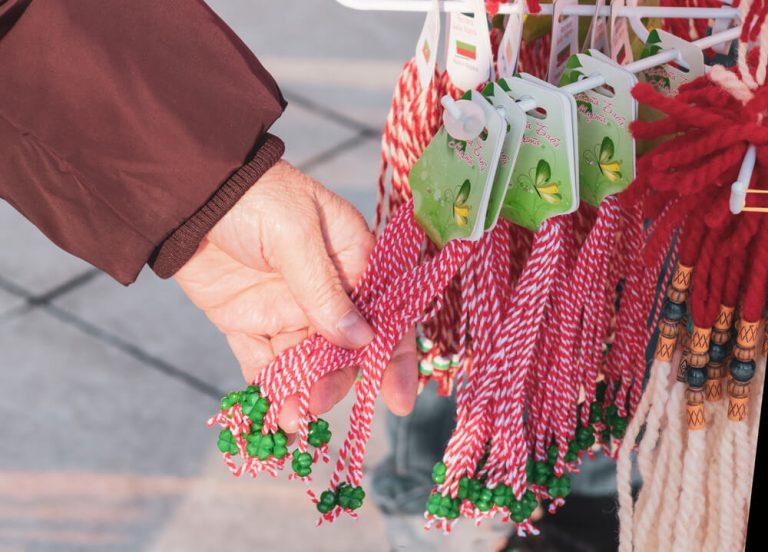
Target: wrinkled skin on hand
{"x":276,"y":269}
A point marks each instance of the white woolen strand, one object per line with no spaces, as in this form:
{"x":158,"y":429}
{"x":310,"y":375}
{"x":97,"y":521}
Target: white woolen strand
{"x":753,"y":425}
{"x":645,"y":453}
{"x":756,"y":402}
{"x":691,"y":503}
{"x":674,"y":434}
{"x":726,"y":539}
{"x":717,"y":413}
{"x":656,"y":388}
{"x":744,"y":454}
{"x":742,"y":473}
{"x":653,"y":455}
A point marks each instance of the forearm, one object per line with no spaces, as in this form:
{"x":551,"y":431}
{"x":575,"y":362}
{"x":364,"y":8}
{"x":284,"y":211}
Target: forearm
{"x":128,"y":128}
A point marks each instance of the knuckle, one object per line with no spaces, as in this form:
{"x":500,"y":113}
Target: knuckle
{"x":326,"y":291}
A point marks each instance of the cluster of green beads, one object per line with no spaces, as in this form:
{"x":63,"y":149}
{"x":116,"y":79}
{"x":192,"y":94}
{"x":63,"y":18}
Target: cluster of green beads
{"x":480,"y":496}
{"x":615,"y":425}
{"x":443,"y":506}
{"x":347,"y":496}
{"x":270,"y":445}
{"x":543,"y":474}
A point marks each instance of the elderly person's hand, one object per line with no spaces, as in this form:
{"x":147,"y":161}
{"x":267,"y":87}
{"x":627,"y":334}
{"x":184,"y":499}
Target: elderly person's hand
{"x":276,"y":269}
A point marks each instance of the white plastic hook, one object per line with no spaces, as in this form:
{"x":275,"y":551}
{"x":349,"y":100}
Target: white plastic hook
{"x":463,"y":119}
{"x":739,"y":188}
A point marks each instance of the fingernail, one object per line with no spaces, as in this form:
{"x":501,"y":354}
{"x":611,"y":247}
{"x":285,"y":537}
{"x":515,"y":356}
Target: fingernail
{"x":355,"y":329}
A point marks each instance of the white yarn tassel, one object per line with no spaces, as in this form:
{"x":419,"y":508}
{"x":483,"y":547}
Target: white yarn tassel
{"x":651,"y":408}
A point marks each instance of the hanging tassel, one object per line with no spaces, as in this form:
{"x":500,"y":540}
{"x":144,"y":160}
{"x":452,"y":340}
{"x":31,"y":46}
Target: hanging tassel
{"x":702,"y":504}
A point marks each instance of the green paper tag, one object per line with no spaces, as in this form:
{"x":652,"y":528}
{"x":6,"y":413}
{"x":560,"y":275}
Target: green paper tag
{"x":668,"y":78}
{"x":544,"y":181}
{"x":451,"y":183}
{"x":516,"y":119}
{"x":607,"y":157}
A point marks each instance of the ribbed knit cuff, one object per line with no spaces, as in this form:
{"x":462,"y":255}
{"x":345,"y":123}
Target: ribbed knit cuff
{"x":175,"y":251}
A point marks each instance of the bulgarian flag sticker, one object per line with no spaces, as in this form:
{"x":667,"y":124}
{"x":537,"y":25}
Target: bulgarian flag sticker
{"x":466,"y":50}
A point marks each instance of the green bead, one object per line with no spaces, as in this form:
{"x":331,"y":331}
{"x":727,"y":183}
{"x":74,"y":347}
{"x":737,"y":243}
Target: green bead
{"x":605,"y":436}
{"x":350,"y":497}
{"x":573,"y":446}
{"x":438,"y":473}
{"x":463,"y":488}
{"x":619,"y":426}
{"x":559,"y":487}
{"x":280,"y":451}
{"x":260,"y":446}
{"x":301,"y":463}
{"x":256,"y":426}
{"x":585,"y":437}
{"x":252,"y":390}
{"x":433,"y":503}
{"x":501,"y":494}
{"x":266,"y":447}
{"x":327,"y":502}
{"x":530,"y":502}
{"x":319,"y":434}
{"x":227,"y":442}
{"x":541,"y":473}
{"x":280,"y":438}
{"x":484,"y":500}
{"x":571,"y":457}
{"x":600,"y":390}
{"x":483,"y":505}
{"x":252,"y":444}
{"x":303,"y":458}
{"x":552,"y":454}
{"x":475,"y":488}
{"x":251,"y":408}
{"x":230,"y":400}
{"x":595,"y":412}
{"x":517,"y":511}
{"x":447,"y":507}
{"x":611,"y":413}
{"x":529,"y":469}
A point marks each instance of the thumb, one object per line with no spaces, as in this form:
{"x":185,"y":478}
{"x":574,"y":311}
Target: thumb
{"x":315,"y":284}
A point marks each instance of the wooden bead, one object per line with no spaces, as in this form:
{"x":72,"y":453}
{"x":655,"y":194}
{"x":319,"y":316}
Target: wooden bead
{"x":737,"y":408}
{"x":665,"y":346}
{"x":746,"y":340}
{"x":695,"y":409}
{"x":713,"y":390}
{"x":681,"y":283}
{"x":724,"y":320}
{"x":699,"y":344}
{"x":682,"y":368}
{"x":765,"y":340}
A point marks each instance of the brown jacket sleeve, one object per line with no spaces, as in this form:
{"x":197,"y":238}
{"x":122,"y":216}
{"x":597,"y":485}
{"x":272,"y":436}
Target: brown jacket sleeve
{"x":128,"y":128}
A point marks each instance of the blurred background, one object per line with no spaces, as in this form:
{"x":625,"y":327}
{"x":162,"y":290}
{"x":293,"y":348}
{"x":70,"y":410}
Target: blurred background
{"x":105,"y":390}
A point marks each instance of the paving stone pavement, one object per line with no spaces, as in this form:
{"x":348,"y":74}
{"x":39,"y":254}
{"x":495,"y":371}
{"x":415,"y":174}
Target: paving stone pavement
{"x":104,"y":389}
